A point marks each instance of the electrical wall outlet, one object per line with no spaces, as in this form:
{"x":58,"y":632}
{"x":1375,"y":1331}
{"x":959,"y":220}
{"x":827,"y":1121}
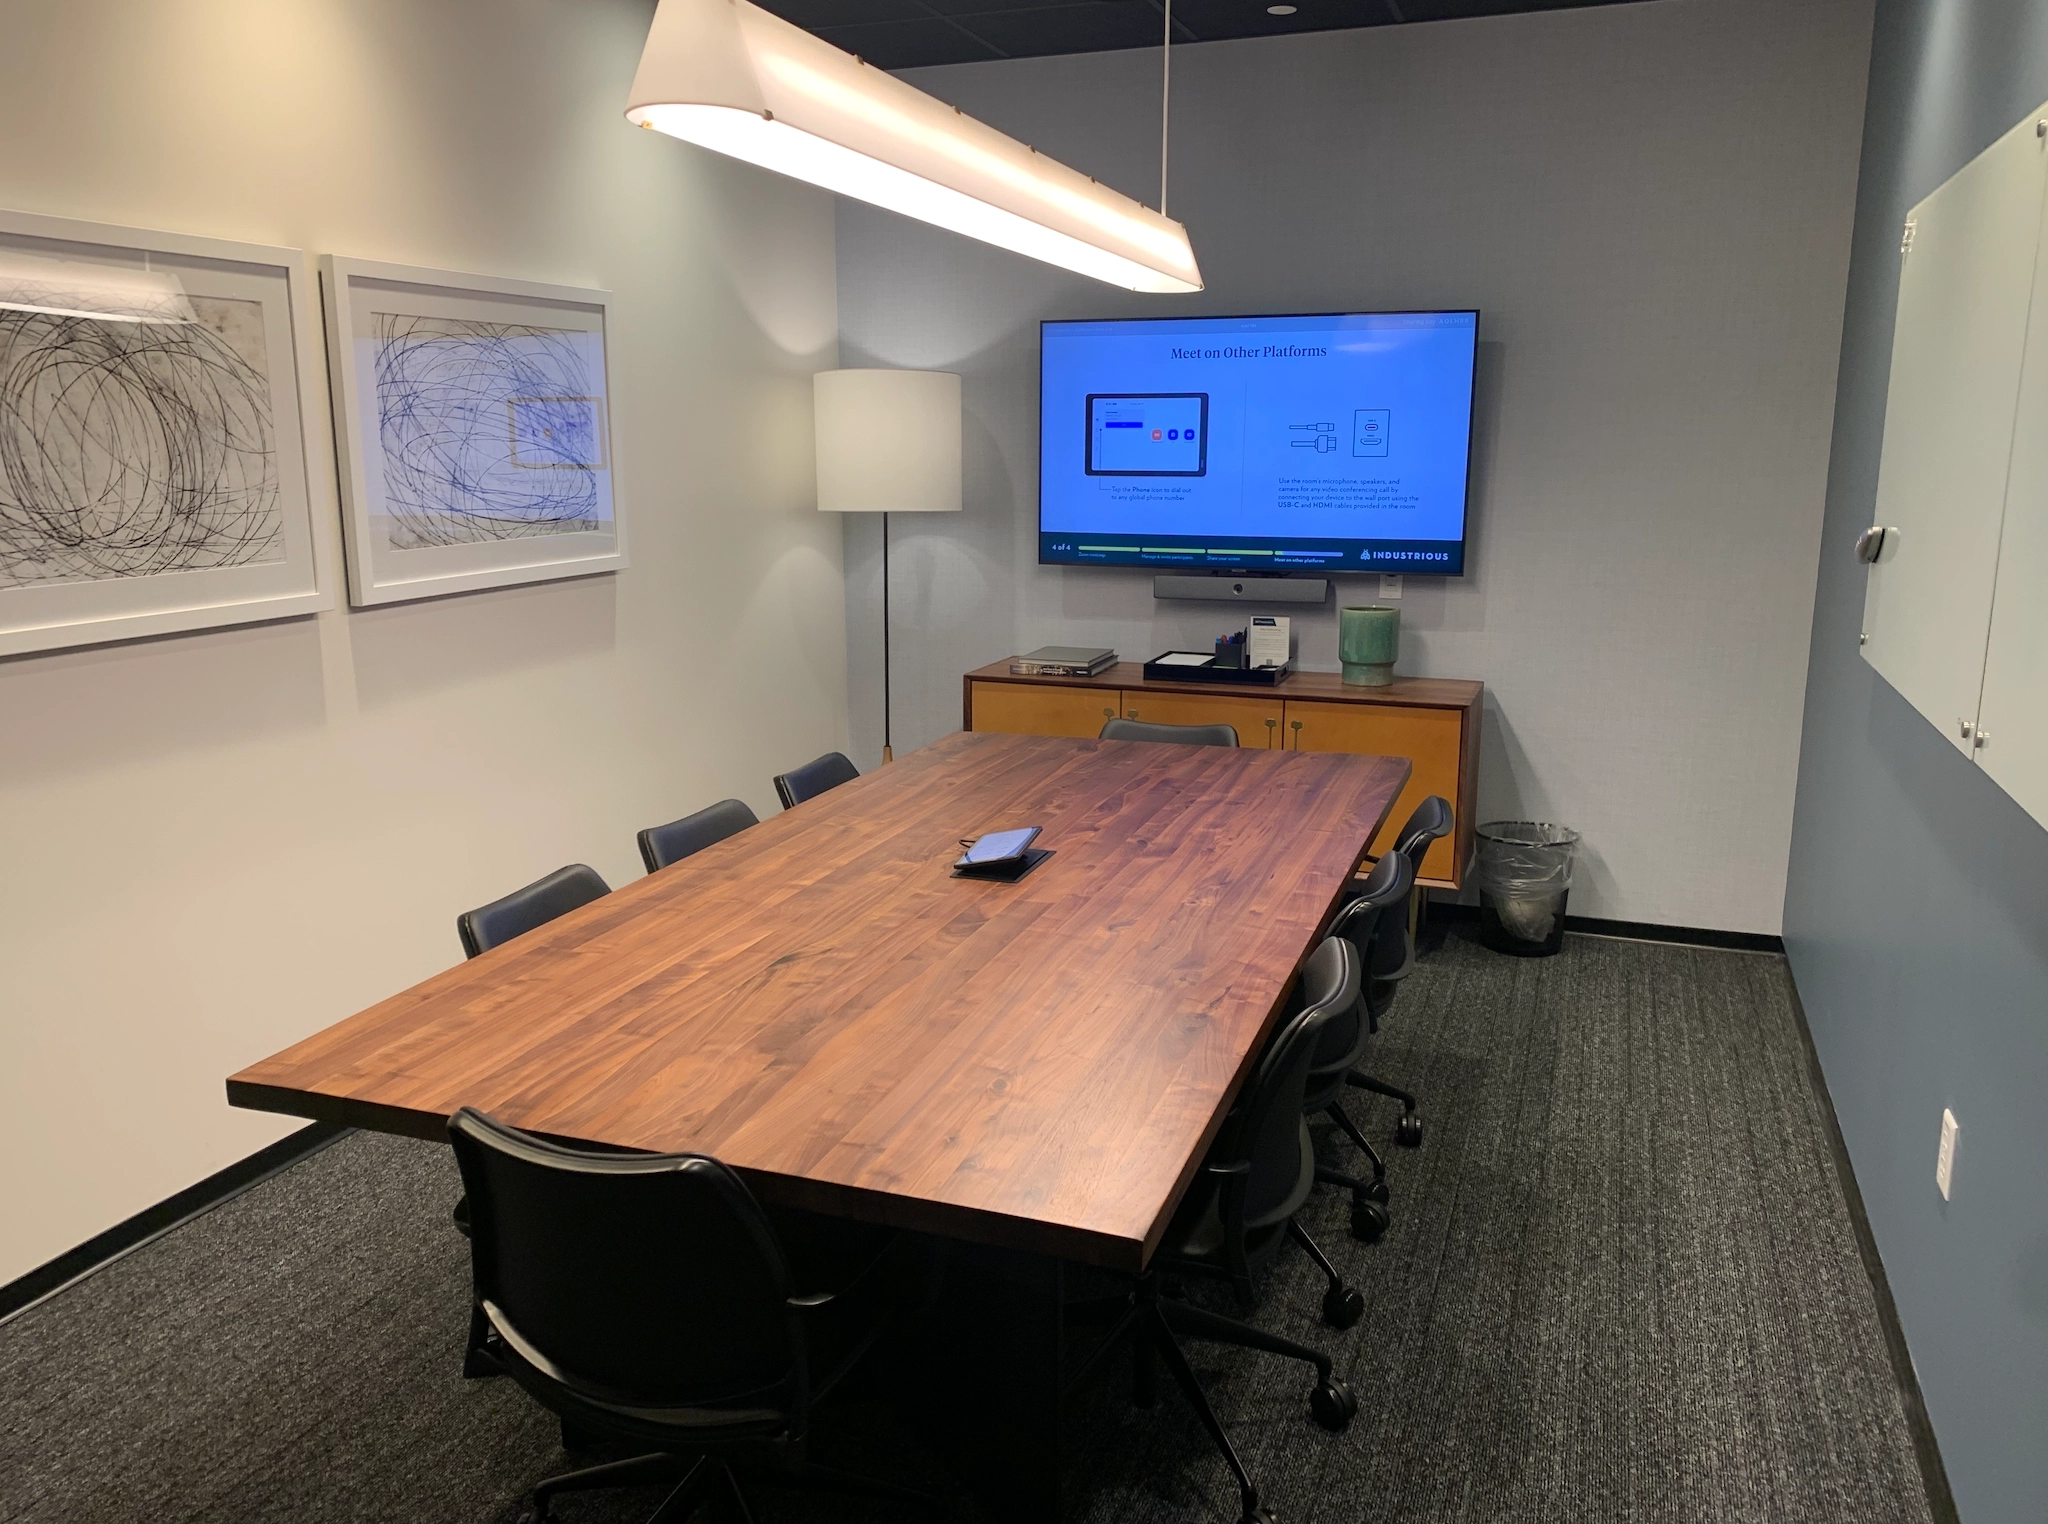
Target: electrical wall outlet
{"x":1945,"y":1158}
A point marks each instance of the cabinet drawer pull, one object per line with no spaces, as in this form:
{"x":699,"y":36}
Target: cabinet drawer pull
{"x":1109,"y":714}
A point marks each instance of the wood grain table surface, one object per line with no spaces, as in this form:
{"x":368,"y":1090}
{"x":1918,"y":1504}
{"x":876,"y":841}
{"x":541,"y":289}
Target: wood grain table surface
{"x":819,"y":1003}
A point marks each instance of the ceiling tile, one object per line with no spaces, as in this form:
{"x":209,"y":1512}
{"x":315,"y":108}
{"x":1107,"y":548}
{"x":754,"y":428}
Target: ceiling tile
{"x":815,"y":15}
{"x":905,"y":34}
{"x":908,"y":44}
{"x":1090,"y":27}
{"x":1215,"y":20}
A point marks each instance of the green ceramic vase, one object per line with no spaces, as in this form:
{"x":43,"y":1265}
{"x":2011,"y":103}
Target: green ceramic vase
{"x":1369,"y":643}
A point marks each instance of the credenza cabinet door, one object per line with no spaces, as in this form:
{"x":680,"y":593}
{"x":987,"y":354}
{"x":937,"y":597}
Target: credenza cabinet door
{"x":1040,"y":709}
{"x":1428,"y":738}
{"x":1257,"y":721}
{"x":1965,"y":283}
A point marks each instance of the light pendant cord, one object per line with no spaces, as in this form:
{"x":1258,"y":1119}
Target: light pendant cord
{"x":1165,"y":100}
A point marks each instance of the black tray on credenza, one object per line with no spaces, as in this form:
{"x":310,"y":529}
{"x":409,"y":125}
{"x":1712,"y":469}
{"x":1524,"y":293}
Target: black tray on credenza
{"x":1258,"y":677}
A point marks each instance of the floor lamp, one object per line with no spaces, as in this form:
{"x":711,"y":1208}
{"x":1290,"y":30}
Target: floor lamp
{"x":888,"y":442}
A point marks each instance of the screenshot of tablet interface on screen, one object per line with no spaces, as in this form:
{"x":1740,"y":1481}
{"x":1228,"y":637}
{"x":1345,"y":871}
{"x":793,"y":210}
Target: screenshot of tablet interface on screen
{"x":1148,"y":434}
{"x":1283,"y":442}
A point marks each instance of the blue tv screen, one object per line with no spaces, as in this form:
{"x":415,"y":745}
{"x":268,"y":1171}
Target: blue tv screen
{"x":1332,"y":443}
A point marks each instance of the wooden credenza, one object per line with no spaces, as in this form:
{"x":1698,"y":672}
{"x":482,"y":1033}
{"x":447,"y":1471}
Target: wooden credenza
{"x":1433,"y":722}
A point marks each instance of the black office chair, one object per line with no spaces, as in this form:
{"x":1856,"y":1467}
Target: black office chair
{"x":813,"y":779}
{"x":664,"y":844}
{"x":648,"y":1298}
{"x":491,"y":925}
{"x":1236,"y":1214}
{"x":1383,"y":896}
{"x":540,"y":902}
{"x":1392,"y":955}
{"x":1186,"y":735}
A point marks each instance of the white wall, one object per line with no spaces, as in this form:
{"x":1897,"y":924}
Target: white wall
{"x":1652,"y":206}
{"x":214,"y":844}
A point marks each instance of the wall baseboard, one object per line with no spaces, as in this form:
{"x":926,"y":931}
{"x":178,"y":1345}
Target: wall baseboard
{"x":151,"y":1223}
{"x":1634,"y":931}
{"x":1941,"y":1503}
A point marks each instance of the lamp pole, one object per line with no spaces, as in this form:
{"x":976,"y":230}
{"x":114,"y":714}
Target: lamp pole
{"x":888,"y":753}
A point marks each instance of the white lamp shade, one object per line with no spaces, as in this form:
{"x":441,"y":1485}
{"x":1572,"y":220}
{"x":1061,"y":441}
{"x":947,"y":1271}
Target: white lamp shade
{"x":731,"y":77}
{"x":888,"y":441}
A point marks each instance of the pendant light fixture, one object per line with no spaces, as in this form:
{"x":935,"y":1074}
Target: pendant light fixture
{"x":729,"y":76}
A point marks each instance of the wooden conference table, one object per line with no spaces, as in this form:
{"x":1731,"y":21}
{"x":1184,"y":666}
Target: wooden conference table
{"x":1031,"y":1070}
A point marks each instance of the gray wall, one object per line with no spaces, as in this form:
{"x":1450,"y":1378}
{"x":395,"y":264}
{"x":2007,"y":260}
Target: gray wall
{"x":1652,"y":205}
{"x":1917,"y":908}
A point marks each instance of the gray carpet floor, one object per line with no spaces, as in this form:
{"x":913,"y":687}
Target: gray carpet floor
{"x":1621,"y":1284}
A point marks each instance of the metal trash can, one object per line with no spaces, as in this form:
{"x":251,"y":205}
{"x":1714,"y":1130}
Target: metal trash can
{"x":1523,"y":869}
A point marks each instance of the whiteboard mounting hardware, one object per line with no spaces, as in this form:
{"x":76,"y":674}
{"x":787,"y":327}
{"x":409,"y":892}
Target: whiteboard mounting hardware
{"x":1981,"y":738}
{"x":1906,"y":238}
{"x":1880,"y":542}
{"x":1965,"y":727}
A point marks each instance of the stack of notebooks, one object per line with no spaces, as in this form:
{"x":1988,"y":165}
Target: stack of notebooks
{"x":1063,"y":661}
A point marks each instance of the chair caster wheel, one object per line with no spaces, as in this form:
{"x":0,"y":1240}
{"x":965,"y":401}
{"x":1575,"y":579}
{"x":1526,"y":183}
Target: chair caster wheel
{"x":1343,"y":1306}
{"x":1369,"y":1221}
{"x":1333,"y":1405}
{"x":1261,"y":1515}
{"x":1408,"y":1131}
{"x":1376,"y":1190}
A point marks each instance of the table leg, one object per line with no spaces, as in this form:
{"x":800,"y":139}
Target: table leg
{"x":982,"y":1378}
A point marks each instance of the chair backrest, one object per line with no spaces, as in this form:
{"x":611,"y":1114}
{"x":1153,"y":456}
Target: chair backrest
{"x":813,"y":779}
{"x":634,"y":1280}
{"x":1186,"y":735}
{"x":1379,"y":907}
{"x":1376,"y":921}
{"x":1430,"y":820}
{"x":1264,"y":1132}
{"x":523,"y":909}
{"x":664,"y":844}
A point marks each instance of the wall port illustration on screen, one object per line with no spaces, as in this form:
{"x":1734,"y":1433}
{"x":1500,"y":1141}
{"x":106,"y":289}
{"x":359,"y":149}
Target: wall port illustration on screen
{"x":1369,"y":427}
{"x":1148,"y":433}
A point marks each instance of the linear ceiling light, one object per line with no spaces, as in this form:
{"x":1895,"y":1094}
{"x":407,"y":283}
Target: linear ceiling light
{"x":71,"y":288}
{"x":729,"y":76}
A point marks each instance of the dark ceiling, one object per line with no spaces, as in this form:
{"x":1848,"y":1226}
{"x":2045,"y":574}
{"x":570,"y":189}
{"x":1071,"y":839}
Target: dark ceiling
{"x":904,"y":34}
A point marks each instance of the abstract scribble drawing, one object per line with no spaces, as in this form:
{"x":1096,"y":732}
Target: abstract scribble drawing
{"x":556,"y":433}
{"x":489,"y":431}
{"x":130,"y":450}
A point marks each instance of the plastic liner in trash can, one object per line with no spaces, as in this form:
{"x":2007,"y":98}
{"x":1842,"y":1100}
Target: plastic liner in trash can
{"x":1523,"y":869}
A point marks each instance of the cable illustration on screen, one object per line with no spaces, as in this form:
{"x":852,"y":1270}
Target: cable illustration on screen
{"x":135,"y":449}
{"x":489,"y":431}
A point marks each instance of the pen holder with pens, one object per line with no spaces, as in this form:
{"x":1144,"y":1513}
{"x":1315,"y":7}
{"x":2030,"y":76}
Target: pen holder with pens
{"x":1230,"y":650}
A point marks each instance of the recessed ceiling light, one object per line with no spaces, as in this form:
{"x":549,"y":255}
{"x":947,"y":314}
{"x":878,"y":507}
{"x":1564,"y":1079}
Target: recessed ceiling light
{"x":1279,"y":10}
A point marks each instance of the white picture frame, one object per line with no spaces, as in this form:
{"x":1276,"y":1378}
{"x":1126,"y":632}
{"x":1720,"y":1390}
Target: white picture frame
{"x":472,"y":422}
{"x":157,"y":475}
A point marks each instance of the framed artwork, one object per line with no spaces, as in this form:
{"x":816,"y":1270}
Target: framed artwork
{"x":471,"y":418}
{"x":153,"y":465}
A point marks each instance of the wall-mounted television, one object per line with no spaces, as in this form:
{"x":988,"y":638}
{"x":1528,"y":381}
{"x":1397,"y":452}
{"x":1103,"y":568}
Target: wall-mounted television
{"x":1332,"y":443}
